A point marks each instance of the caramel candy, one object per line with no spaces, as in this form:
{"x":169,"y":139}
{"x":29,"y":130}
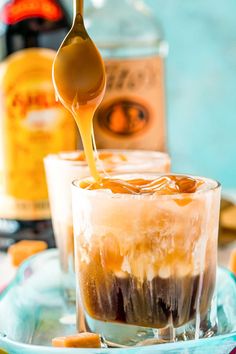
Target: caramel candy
{"x":232,"y":263}
{"x":2,"y":351}
{"x":228,"y":218}
{"x":225,"y":203}
{"x":80,"y":340}
{"x":22,"y":250}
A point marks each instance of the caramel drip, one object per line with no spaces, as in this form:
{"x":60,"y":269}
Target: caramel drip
{"x":162,"y":185}
{"x":79,"y":80}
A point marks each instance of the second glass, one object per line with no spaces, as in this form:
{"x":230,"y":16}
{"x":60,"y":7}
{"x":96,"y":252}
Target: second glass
{"x":62,"y":169}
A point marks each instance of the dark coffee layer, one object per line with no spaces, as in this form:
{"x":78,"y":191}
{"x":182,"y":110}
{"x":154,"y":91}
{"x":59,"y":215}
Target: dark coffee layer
{"x":154,"y":304}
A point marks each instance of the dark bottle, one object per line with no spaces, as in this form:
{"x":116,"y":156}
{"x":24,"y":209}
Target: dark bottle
{"x":32,"y":123}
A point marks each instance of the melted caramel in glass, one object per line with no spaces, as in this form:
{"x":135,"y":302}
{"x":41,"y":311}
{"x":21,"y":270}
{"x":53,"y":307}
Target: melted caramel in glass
{"x":170,"y":184}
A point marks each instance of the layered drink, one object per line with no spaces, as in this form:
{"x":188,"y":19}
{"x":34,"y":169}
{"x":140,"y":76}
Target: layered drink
{"x":62,"y":169}
{"x":146,"y":248}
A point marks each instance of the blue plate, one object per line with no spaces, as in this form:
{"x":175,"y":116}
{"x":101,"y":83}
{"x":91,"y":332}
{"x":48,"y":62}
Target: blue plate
{"x":33,"y":311}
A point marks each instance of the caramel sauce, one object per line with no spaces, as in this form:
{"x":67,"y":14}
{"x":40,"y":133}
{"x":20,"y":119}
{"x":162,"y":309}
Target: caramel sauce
{"x":79,"y":80}
{"x":170,"y":184}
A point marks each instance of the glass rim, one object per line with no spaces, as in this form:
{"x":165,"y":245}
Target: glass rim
{"x":152,"y":156}
{"x":106,"y":193}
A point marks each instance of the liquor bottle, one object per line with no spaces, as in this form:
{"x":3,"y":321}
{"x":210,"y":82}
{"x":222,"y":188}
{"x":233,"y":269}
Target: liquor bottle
{"x":132,"y":115}
{"x":32,"y":123}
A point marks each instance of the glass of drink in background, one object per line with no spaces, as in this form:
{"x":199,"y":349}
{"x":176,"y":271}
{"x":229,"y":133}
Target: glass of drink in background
{"x":62,"y":169}
{"x":147,"y":259}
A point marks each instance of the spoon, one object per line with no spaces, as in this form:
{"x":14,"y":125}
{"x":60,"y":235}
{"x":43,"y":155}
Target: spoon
{"x":79,"y":80}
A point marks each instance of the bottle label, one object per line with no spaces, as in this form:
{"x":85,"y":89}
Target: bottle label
{"x":32,"y":125}
{"x":19,"y":10}
{"x":132,"y":114}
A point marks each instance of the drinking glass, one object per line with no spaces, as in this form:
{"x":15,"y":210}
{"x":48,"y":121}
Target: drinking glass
{"x":62,"y":169}
{"x":146,"y":264}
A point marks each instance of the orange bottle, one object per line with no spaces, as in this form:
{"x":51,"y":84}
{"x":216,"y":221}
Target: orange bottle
{"x":32,"y":123}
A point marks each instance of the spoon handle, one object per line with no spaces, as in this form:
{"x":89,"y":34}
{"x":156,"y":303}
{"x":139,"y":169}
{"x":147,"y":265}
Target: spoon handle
{"x":78,"y":7}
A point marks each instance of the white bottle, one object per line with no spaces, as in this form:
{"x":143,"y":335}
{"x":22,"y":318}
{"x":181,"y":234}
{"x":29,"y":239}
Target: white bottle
{"x":132,"y":115}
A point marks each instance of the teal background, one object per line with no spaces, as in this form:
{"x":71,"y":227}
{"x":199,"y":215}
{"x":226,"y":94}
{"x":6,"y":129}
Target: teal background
{"x":201,"y":85}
